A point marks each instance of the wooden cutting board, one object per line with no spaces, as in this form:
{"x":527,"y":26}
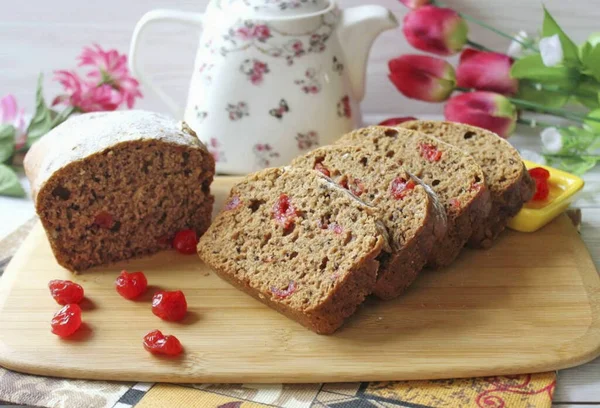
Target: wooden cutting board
{"x":529,"y":304}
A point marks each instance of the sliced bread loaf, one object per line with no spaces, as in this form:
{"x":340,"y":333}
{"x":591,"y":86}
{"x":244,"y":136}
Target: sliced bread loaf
{"x":299,"y":243}
{"x":414,"y":218}
{"x":508,"y":180}
{"x":453,"y":175}
{"x":111,"y":186}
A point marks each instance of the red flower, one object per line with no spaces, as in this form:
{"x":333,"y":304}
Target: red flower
{"x":441,"y":31}
{"x":487,"y":110}
{"x":486,"y":71}
{"x":421,"y":77}
{"x":261,"y":32}
{"x":415,"y":4}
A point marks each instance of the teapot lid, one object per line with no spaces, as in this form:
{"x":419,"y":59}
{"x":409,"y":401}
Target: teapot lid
{"x":273,"y":8}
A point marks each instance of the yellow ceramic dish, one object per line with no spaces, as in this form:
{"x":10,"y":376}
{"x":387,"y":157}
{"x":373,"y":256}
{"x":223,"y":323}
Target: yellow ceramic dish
{"x":535,"y":214}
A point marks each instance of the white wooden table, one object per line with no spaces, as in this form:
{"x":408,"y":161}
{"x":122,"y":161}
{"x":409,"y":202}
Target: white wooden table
{"x":576,"y":387}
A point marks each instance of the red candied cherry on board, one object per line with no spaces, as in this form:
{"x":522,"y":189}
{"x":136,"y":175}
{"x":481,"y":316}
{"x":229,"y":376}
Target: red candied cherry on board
{"x":131,"y":285}
{"x":170,"y":306}
{"x":157,"y":343}
{"x":540,"y":176}
{"x":185,"y":242}
{"x":539,"y":173}
{"x":67,"y":320}
{"x":65,"y":291}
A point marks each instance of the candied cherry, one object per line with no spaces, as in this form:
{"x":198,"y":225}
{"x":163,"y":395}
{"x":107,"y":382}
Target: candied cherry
{"x":455,"y":203}
{"x":233,"y":203}
{"x":539,"y":173}
{"x":284,"y":211}
{"x":104,"y":220}
{"x":157,"y":343}
{"x":284,"y":293}
{"x":429,"y":152}
{"x":542,"y":190}
{"x":65,"y":291}
{"x":185,"y":241}
{"x":170,"y":306}
{"x":356,"y":187}
{"x":131,"y":285}
{"x":320,"y":167}
{"x":400,"y":187}
{"x":396,"y":121}
{"x":67,"y":320}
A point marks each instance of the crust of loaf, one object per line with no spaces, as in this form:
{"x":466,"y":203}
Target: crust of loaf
{"x":507,"y":200}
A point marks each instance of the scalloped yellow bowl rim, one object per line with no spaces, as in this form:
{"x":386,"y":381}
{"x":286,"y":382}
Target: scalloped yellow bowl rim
{"x":532,"y":219}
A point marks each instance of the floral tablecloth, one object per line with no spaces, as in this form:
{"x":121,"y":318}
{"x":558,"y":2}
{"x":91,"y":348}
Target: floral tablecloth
{"x":531,"y":390}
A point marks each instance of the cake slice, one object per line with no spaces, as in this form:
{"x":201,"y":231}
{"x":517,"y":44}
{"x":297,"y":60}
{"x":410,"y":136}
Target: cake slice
{"x":411,"y":213}
{"x":299,"y":243}
{"x":453,"y":175}
{"x":508,"y":180}
{"x":114,"y":185}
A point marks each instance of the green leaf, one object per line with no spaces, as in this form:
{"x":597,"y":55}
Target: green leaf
{"x":590,"y":102}
{"x":41,"y":123}
{"x":532,"y":67}
{"x":9,"y":183}
{"x":575,"y":165}
{"x":550,"y":28}
{"x":549,"y":99}
{"x":7,"y":142}
{"x":591,"y":62}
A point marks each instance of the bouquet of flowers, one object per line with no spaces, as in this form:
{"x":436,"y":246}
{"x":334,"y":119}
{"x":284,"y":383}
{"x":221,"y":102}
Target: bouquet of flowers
{"x":106,"y":86}
{"x":547,"y":74}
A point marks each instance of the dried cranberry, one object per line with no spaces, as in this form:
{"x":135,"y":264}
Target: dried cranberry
{"x":65,"y":292}
{"x":157,"y":343}
{"x":104,"y":220}
{"x":320,"y":167}
{"x":401,"y":187}
{"x":284,"y":212}
{"x":67,"y":320}
{"x":476,"y":187}
{"x":336,"y":228}
{"x":542,"y":190}
{"x":131,"y":285}
{"x":356,"y":187}
{"x":455,"y":203}
{"x":185,"y":241}
{"x":233,"y":203}
{"x":539,"y":173}
{"x":344,"y":182}
{"x":170,"y":306}
{"x":396,"y":121}
{"x":429,"y":152}
{"x":284,"y":293}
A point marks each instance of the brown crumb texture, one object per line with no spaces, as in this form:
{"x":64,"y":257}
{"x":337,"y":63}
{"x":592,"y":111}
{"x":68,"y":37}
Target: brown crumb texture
{"x":508,"y":180}
{"x":126,"y":200}
{"x":313,"y":274}
{"x":413,"y":220}
{"x":454,"y":176}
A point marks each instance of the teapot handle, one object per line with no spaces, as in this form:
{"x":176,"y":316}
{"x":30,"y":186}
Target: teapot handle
{"x":140,"y":27}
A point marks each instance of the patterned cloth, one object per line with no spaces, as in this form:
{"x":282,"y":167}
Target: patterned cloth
{"x":526,"y":391}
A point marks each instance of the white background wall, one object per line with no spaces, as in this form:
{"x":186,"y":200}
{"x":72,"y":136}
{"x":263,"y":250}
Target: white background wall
{"x":38,"y":35}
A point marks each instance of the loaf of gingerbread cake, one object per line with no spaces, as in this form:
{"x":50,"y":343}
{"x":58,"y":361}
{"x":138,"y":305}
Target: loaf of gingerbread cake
{"x":453,"y":175}
{"x":414,"y":218}
{"x":115,"y":185}
{"x":299,"y":243}
{"x":508,"y":180}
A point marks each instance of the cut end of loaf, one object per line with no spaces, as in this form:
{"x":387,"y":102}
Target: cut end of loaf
{"x":125,"y":201}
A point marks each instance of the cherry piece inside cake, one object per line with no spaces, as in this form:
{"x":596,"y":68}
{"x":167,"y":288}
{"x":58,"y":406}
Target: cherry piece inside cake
{"x":508,"y":181}
{"x":411,"y":213}
{"x":299,"y":243}
{"x":111,"y":186}
{"x":453,"y":175}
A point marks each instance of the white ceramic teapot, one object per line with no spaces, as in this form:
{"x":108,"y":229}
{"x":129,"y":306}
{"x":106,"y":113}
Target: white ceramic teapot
{"x":273,"y":78}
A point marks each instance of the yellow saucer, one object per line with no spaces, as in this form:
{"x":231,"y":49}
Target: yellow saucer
{"x":535,"y":214}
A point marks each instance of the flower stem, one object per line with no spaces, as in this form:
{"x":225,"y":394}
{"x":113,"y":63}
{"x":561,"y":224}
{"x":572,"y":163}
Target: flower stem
{"x":554,"y":111}
{"x":489,"y":27}
{"x":478,"y":46}
{"x":62,"y":116}
{"x":533,"y":123}
{"x":568,"y":156}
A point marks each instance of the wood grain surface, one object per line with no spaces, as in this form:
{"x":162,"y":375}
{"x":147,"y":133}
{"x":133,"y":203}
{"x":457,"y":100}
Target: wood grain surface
{"x":529,"y":304}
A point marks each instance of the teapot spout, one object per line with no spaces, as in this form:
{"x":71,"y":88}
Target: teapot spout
{"x":359,"y":27}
